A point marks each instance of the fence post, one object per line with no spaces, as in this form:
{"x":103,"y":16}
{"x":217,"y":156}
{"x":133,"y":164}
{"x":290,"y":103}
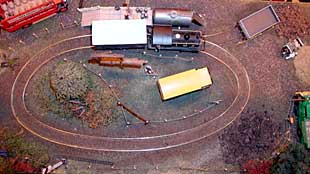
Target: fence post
{"x":47,"y":30}
{"x":62,"y":25}
{"x":21,"y":42}
{"x":35,"y":35}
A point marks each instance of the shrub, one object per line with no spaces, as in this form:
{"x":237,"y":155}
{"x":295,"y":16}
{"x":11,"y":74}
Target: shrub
{"x":17,"y":146}
{"x":296,"y":159}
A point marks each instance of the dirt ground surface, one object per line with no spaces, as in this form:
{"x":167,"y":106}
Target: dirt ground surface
{"x":302,"y":63}
{"x":255,"y":136}
{"x":2,"y":52}
{"x":273,"y":82}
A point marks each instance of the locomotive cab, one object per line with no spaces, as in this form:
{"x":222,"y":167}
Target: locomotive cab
{"x":168,"y":38}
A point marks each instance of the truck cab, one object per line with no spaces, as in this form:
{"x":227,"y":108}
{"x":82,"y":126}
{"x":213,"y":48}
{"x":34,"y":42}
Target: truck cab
{"x":303,"y":114}
{"x":290,"y":50}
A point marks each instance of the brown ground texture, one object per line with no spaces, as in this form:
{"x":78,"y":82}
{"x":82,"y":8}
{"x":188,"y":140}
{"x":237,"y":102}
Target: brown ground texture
{"x":273,"y":82}
{"x":302,"y":63}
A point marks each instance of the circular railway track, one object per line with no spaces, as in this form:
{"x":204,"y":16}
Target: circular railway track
{"x":164,"y":140}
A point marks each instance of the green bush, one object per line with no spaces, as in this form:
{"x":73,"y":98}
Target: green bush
{"x":17,"y":146}
{"x":69,"y":80}
{"x":5,"y":166}
{"x":296,"y":160}
{"x":65,"y":81}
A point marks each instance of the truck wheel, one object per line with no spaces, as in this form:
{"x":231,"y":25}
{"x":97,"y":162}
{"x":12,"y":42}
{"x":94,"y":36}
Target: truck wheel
{"x":26,"y":26}
{"x":63,"y":7}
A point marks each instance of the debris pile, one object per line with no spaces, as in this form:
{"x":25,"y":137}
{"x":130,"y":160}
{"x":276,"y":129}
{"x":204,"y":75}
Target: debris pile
{"x":96,"y":110}
{"x":68,"y":90}
{"x":254,"y":136}
{"x":69,"y":81}
{"x":293,"y":23}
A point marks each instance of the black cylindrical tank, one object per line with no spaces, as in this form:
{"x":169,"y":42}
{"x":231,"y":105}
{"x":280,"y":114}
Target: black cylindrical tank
{"x":168,"y":38}
{"x":162,"y":35}
{"x":174,"y":17}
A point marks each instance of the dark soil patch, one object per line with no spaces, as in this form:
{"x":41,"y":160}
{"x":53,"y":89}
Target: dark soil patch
{"x":253,"y":136}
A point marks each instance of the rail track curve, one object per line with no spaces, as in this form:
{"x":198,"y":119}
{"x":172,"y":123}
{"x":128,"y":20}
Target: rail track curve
{"x":123,"y":144}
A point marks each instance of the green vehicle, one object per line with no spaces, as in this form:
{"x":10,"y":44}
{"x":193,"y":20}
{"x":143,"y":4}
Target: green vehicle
{"x":303,"y":114}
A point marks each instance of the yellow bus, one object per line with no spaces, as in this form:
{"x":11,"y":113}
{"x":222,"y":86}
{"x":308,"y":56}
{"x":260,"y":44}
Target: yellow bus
{"x":184,"y":82}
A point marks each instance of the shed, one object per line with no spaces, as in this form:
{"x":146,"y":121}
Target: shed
{"x":119,"y":32}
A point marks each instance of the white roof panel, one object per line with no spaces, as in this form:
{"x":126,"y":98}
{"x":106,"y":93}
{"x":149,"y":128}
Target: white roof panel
{"x":119,"y":32}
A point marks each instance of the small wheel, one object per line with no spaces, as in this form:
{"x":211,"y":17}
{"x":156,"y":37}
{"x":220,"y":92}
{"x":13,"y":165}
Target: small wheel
{"x":63,"y":7}
{"x":26,"y":26}
{"x":157,"y":48}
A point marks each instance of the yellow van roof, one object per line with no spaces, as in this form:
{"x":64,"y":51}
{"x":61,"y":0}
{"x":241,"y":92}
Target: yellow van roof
{"x":184,"y":82}
{"x":303,"y":93}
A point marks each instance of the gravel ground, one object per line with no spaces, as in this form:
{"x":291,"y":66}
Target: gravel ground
{"x":273,"y":80}
{"x":255,"y":136}
{"x":302,"y":63}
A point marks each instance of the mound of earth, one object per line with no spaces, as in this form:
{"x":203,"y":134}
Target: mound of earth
{"x":302,"y":64}
{"x":69,"y":80}
{"x":253,"y":137}
{"x":68,"y":90}
{"x":293,"y":22}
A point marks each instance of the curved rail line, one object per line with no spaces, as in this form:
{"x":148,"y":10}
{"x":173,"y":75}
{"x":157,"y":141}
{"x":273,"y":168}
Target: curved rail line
{"x":145,"y":137}
{"x":63,"y":131}
{"x":107,"y":84}
{"x":133,"y":144}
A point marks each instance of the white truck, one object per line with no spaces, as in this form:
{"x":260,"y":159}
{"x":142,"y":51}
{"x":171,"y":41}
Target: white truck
{"x":290,"y":50}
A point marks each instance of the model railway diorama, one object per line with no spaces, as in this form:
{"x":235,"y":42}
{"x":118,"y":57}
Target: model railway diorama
{"x":148,"y":78}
